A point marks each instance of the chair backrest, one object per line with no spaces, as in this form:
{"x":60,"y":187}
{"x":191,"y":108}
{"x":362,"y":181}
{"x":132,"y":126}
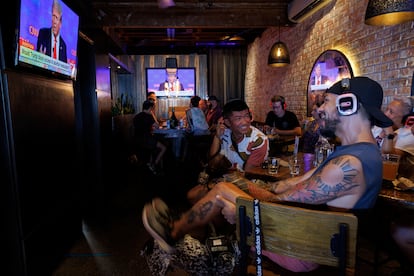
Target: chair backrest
{"x":302,"y":233}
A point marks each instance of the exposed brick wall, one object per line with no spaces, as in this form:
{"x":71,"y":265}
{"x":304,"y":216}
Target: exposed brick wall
{"x":385,"y":54}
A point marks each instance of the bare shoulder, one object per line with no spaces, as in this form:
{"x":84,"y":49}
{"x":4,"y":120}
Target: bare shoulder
{"x":342,"y":169}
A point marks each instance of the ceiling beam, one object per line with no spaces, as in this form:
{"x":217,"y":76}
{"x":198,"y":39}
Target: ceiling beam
{"x":191,"y":14}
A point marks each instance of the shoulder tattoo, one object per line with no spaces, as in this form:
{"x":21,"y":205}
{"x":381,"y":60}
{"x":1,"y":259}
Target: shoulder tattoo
{"x":336,"y":179}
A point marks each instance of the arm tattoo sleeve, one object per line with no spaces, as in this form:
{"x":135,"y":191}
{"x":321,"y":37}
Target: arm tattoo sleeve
{"x":326,"y":185}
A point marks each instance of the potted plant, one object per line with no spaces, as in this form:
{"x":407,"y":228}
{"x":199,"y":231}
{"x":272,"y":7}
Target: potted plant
{"x":123,"y":113}
{"x":122,"y":105}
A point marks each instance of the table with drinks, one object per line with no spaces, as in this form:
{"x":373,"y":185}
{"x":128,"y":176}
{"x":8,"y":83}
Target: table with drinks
{"x":281,"y":167}
{"x":389,"y":193}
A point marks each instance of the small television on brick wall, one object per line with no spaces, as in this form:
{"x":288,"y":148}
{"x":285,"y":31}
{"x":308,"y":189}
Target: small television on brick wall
{"x":48,"y":37}
{"x":171,"y":82}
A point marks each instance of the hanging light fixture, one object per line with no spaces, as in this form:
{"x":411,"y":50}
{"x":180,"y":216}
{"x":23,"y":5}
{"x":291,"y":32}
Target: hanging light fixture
{"x":279,"y":54}
{"x":389,"y":12}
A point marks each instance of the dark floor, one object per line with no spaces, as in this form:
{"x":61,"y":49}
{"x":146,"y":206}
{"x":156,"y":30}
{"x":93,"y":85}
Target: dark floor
{"x":112,"y":246}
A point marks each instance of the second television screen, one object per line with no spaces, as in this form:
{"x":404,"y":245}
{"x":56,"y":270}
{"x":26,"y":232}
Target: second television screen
{"x":167,"y":84}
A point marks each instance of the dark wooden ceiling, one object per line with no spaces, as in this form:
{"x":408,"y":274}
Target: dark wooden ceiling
{"x":141,"y":26}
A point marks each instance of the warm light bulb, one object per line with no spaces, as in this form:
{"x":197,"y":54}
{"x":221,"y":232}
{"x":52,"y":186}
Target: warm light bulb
{"x":278,"y":53}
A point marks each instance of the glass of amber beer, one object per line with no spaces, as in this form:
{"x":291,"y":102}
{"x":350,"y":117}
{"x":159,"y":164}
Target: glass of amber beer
{"x":390,"y":163}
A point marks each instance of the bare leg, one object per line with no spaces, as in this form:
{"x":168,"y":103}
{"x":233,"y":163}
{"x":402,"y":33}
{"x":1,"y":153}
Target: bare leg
{"x":206,"y":209}
{"x":161,"y":150}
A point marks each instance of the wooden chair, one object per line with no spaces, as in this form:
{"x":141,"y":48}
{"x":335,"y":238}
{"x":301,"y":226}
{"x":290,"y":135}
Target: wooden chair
{"x":324,"y":237}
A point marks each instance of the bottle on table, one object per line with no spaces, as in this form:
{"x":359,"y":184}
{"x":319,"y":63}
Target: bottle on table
{"x":322,"y":150}
{"x":173,"y":119}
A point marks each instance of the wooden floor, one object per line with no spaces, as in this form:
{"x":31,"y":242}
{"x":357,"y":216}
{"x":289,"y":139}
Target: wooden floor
{"x":111,"y":245}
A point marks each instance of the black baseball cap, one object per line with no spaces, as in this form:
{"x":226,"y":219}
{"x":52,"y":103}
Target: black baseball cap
{"x":213,"y":98}
{"x":368,"y":92}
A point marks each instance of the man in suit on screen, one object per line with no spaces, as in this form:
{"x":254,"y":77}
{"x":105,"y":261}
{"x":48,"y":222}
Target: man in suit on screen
{"x":171,"y":83}
{"x":50,"y":41}
{"x":319,"y":78}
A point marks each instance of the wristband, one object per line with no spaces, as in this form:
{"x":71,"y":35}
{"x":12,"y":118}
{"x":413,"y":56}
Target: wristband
{"x":390,"y":136}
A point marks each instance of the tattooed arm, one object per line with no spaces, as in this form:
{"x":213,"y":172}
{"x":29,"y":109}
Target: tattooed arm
{"x":340,"y":183}
{"x":286,"y":184}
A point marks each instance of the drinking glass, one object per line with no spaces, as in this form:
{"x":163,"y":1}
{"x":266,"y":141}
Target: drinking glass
{"x":390,"y":164}
{"x":273,"y":165}
{"x":294,"y":166}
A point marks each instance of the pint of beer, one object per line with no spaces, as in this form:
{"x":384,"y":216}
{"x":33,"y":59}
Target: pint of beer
{"x":390,"y":163}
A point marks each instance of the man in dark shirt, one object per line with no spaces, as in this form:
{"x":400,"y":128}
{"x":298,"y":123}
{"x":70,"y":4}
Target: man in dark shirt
{"x":283,"y":122}
{"x":145,"y":141}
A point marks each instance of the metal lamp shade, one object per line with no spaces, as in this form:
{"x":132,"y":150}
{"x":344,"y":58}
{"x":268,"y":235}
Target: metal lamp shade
{"x":389,"y":12}
{"x":279,"y":55}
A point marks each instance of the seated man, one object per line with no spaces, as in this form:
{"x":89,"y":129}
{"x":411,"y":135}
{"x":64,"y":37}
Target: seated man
{"x":196,"y":119}
{"x":146,"y":143}
{"x":396,"y":110}
{"x":242,"y":145}
{"x":282,"y":121}
{"x":153,"y":97}
{"x":349,"y":179}
{"x":214,"y":113}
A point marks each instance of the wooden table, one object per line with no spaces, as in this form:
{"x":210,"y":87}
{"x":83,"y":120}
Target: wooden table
{"x":260,"y":173}
{"x":283,"y":173}
{"x":397,"y":198}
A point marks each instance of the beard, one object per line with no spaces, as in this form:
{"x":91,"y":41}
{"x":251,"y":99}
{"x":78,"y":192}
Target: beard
{"x":328,"y":128}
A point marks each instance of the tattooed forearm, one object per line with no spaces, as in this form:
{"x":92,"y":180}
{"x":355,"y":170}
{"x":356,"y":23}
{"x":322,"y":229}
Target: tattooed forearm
{"x":268,"y":186}
{"x":201,"y":213}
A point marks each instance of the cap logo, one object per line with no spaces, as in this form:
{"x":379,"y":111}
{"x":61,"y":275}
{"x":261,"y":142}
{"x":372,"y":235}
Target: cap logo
{"x":345,"y":84}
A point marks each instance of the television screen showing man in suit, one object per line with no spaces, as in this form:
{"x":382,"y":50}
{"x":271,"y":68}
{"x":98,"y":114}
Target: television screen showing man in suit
{"x":50,"y":42}
{"x":171,"y":82}
{"x":318,"y":78}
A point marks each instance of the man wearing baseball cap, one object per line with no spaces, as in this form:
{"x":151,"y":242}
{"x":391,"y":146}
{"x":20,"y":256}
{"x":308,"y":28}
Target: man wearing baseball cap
{"x":349,"y":179}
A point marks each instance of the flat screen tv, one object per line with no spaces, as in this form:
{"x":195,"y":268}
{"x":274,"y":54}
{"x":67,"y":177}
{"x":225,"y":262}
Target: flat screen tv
{"x":37,"y":46}
{"x":157,"y":81}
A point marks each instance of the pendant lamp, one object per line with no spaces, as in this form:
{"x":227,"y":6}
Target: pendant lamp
{"x":279,"y":54}
{"x":389,"y":12}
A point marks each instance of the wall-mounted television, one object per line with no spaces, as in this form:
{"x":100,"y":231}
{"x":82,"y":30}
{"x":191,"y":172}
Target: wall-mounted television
{"x":38,"y":46}
{"x":157,"y":81}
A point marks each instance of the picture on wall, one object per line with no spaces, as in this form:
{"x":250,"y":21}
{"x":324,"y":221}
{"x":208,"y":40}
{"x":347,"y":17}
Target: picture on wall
{"x":330,"y":67}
